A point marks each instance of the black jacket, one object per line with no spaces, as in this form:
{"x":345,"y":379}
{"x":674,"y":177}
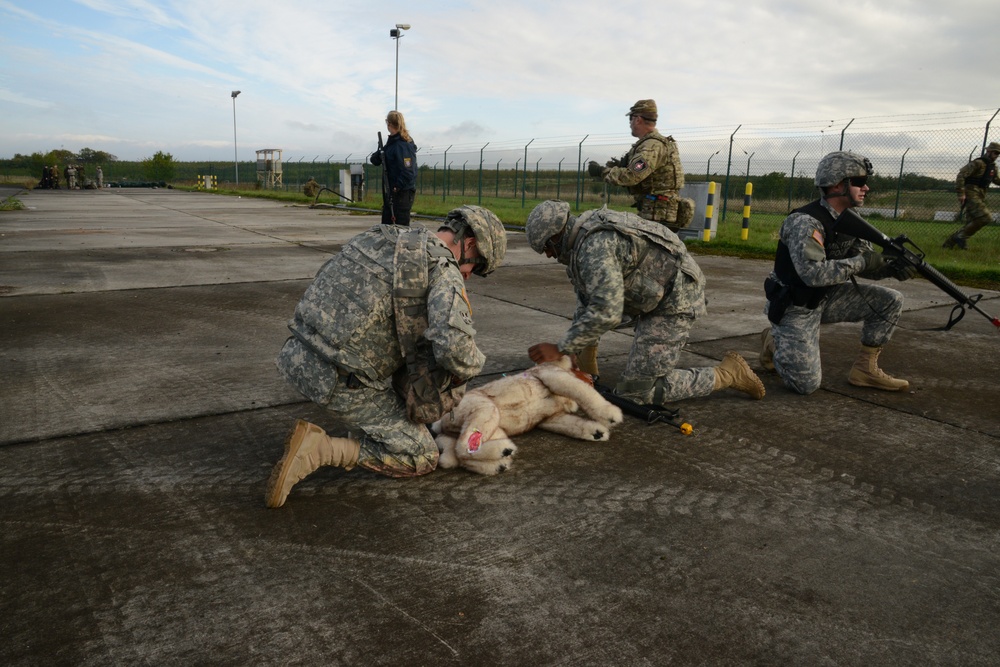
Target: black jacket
{"x":400,"y":163}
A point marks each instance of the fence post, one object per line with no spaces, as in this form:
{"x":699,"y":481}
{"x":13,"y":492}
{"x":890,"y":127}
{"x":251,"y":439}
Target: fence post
{"x":791,"y":181}
{"x":709,"y":206}
{"x":729,"y":164}
{"x":536,"y":178}
{"x":559,"y":176}
{"x":842,"y":135}
{"x":987,"y":132}
{"x":708,"y":166}
{"x":524,"y":180}
{"x":745,"y":232}
{"x":497,"y":195}
{"x":480,"y":199}
{"x":899,"y":183}
{"x":579,"y":173}
{"x":444,"y":187}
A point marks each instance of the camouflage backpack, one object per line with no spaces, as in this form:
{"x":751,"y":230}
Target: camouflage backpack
{"x":426,"y":387}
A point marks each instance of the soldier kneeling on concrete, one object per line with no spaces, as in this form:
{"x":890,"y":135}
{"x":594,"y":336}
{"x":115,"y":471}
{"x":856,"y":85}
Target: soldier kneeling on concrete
{"x":383,"y":340}
{"x":624,"y":266}
{"x":811,"y":284}
{"x":310,"y":188}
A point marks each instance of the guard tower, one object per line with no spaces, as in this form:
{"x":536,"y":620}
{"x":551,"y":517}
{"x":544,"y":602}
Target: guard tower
{"x":269,"y":167}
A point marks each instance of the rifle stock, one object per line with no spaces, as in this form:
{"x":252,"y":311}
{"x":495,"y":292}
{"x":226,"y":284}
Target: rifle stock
{"x":854,"y":225}
{"x":650,"y":414}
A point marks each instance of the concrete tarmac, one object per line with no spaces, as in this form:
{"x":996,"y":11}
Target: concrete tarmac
{"x":141,"y":413}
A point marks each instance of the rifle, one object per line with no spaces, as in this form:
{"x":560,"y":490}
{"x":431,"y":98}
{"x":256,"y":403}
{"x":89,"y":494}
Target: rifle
{"x":651,"y":414}
{"x":854,"y":225}
{"x":386,"y":187}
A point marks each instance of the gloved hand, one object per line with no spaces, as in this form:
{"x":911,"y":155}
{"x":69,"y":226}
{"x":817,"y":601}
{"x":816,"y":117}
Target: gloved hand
{"x":594,"y":169}
{"x":611,"y":163}
{"x":900,"y":269}
{"x":874,"y":261}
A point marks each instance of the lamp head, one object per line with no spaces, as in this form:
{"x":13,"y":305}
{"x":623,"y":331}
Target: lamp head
{"x":235,"y":93}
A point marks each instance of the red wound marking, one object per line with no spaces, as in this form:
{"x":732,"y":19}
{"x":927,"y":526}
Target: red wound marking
{"x":474,"y":441}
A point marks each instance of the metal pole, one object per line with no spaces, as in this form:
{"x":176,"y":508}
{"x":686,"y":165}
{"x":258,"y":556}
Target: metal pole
{"x":708,"y":167}
{"x":899,"y":183}
{"x":579,"y":173}
{"x":791,"y":181}
{"x":987,"y":132}
{"x":729,"y":164}
{"x":842,"y":135}
{"x":497,"y":194}
{"x":444,"y":188}
{"x":480,"y":199}
{"x":524,"y":180}
{"x":536,"y":178}
{"x":236,"y":155}
{"x":559,"y":177}
{"x":517,"y":174}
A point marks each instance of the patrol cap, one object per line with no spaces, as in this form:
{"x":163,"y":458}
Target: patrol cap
{"x":491,"y":238}
{"x":994,"y":146}
{"x":545,"y":221}
{"x":836,"y":166}
{"x":644,"y":108}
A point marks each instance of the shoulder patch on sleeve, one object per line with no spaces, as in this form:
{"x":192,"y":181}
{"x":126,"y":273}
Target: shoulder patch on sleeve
{"x":638,"y":165}
{"x":818,"y":237}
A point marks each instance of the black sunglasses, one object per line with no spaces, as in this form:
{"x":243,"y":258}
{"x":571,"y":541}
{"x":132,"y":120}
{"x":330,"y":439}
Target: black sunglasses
{"x":859,"y":181}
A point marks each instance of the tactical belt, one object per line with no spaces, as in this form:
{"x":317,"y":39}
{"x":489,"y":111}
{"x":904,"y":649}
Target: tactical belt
{"x":783,"y":296}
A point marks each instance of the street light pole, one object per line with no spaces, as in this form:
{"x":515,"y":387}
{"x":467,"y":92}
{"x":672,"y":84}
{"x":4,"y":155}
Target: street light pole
{"x":397,"y":34}
{"x":236,"y":157}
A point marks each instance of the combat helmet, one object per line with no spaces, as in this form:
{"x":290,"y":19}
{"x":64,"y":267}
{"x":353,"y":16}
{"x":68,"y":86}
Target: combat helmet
{"x":837,"y":166}
{"x":491,"y":238}
{"x":545,"y":221}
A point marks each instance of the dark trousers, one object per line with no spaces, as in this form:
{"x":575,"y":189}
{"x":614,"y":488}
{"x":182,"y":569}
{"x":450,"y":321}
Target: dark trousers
{"x":402,"y":202}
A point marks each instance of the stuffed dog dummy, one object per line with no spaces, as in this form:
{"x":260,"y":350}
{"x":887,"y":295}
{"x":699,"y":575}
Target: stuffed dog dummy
{"x":476,"y":434}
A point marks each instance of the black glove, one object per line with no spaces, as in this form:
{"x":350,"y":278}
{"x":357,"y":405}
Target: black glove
{"x":874,"y":261}
{"x":594,"y":169}
{"x":900,"y":269}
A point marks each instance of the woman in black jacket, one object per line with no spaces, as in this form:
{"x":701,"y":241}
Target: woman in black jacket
{"x":399,"y":181}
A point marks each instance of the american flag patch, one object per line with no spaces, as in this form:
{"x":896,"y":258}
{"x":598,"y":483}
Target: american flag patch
{"x":818,"y":237}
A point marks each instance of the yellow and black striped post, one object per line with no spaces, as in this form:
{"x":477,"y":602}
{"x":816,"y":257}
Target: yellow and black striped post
{"x":745,"y":233}
{"x":201,"y":182}
{"x":709,"y":206}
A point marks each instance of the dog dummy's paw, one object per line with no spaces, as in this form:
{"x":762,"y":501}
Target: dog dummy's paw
{"x":610,"y":414}
{"x":486,"y":458}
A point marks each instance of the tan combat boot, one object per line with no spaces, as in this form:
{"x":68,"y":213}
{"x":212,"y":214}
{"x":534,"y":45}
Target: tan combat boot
{"x":307,"y":449}
{"x":735,"y":373}
{"x":587,"y":360}
{"x":866,"y":373}
{"x":766,"y":350}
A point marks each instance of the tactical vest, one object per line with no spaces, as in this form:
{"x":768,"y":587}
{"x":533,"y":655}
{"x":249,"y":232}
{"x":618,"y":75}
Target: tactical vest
{"x":426,"y":387}
{"x":793,"y":290}
{"x":343,"y":315}
{"x":987,"y":177}
{"x":655,"y":262}
{"x":665,"y":178}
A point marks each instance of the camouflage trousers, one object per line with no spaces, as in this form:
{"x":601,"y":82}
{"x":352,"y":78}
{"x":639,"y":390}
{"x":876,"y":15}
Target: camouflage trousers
{"x":796,"y":339}
{"x":651,"y":369}
{"x":976,"y":212}
{"x":391,"y":444}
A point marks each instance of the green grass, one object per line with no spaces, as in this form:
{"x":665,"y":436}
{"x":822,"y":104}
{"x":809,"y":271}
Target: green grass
{"x":11,"y":204}
{"x":976,"y":267}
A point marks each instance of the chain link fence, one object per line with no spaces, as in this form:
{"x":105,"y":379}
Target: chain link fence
{"x":916,"y":159}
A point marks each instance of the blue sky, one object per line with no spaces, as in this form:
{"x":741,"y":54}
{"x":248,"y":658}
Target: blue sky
{"x":132,"y":77}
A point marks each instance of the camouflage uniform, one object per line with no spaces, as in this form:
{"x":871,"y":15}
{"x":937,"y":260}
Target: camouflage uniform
{"x":651,"y":172}
{"x":621,"y":264}
{"x":973,"y":180}
{"x":822,"y":262}
{"x":344,"y":350}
